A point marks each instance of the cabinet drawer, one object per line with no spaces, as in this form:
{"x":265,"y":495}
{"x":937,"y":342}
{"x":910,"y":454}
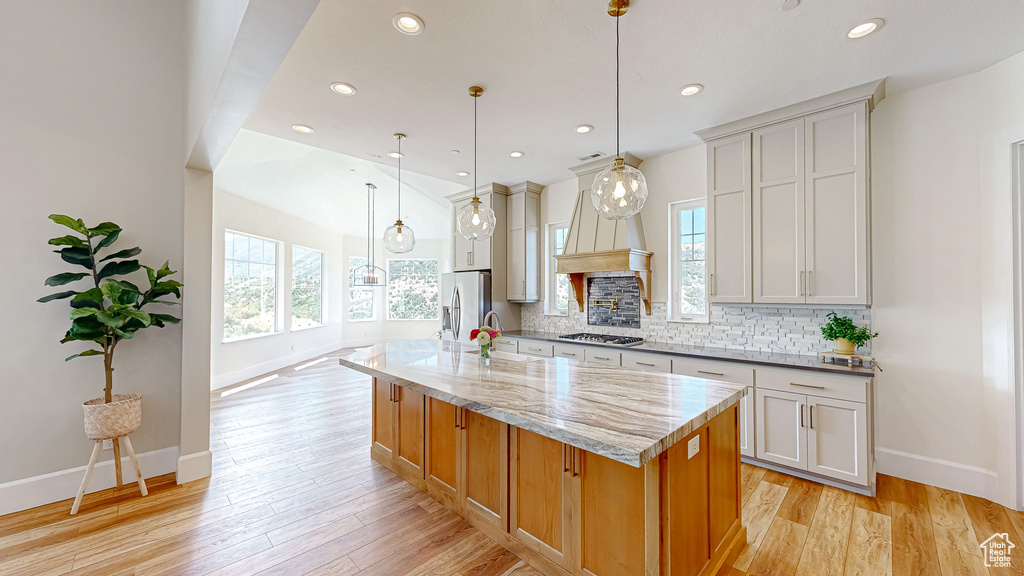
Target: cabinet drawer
{"x":569,"y":351}
{"x":724,"y":371}
{"x":648,"y":362}
{"x":603,"y":356}
{"x":852,"y":388}
{"x":506,"y":345}
{"x":531,"y":348}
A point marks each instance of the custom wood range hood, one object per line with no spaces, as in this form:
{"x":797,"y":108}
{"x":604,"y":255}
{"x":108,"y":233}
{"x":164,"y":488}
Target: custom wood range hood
{"x":595,"y":244}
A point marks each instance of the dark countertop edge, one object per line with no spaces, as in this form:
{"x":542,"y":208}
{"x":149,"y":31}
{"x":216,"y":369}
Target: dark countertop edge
{"x":616,"y":453}
{"x":819,"y":367}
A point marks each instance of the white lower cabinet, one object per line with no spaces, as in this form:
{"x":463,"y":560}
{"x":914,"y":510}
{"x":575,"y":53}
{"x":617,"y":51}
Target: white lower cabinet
{"x":534,"y":348}
{"x":506,"y":345}
{"x":747,"y":433}
{"x":781,"y":431}
{"x":646,"y":362}
{"x":602,"y":356}
{"x":570,"y":351}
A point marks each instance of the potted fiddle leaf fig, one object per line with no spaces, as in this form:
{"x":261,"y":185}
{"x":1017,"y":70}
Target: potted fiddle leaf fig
{"x":107,"y":312}
{"x":846,"y":335}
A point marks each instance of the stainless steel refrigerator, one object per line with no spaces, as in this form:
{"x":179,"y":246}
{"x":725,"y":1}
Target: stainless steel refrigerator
{"x":465,"y":299}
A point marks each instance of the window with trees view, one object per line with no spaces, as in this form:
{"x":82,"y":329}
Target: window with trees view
{"x":360,"y":299}
{"x":250,"y":285}
{"x":558,"y":284}
{"x":307,"y":287}
{"x":689,"y":281}
{"x":413,"y":290}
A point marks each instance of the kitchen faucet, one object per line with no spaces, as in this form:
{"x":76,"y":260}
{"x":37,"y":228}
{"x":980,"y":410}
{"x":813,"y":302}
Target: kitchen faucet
{"x":487,"y":317}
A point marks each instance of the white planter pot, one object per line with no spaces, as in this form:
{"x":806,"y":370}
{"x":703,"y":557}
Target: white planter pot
{"x":121,"y":417}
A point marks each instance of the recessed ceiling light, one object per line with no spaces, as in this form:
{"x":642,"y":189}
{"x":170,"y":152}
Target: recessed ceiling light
{"x":869,"y":26}
{"x":691,"y":89}
{"x":302,"y":128}
{"x":396,"y":154}
{"x":343,"y":88}
{"x":463,"y":173}
{"x":516,"y":154}
{"x":584,"y":128}
{"x":408,"y":23}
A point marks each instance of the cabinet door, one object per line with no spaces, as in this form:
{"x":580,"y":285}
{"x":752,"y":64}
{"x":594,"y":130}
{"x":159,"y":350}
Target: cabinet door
{"x":462,"y":249}
{"x":611,"y":527}
{"x":486,"y":467}
{"x":836,"y":206}
{"x":516,"y":286}
{"x":781,"y":431}
{"x":383,"y":417}
{"x":443,"y":436}
{"x":728,"y":219}
{"x":410,"y":428}
{"x":837,"y":439}
{"x":747,"y":434}
{"x":481,"y":259}
{"x":541,"y":515}
{"x":778,"y":164}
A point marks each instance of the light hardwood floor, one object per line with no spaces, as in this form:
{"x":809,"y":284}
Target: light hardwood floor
{"x":294,"y":492}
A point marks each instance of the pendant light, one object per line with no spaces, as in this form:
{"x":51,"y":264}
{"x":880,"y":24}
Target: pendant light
{"x":368,"y":274}
{"x":399,"y":238}
{"x":475,"y":221}
{"x":619,"y":191}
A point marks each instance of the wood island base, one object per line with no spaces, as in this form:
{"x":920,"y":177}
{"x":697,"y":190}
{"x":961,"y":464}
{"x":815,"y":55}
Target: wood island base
{"x":563,"y":510}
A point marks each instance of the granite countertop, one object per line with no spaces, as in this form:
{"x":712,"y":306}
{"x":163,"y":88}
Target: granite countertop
{"x":627,"y":416}
{"x":709,"y":353}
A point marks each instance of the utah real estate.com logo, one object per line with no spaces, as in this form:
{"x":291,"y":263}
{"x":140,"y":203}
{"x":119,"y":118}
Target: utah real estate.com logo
{"x":996,"y":550}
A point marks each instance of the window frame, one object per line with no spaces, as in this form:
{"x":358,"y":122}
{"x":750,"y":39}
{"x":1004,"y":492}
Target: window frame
{"x":550,"y":277}
{"x":278,"y":292}
{"x":387,"y":299}
{"x":291,"y":293}
{"x":348,"y":296}
{"x":674,"y":312}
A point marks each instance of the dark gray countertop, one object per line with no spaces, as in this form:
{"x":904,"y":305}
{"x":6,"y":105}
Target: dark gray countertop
{"x":709,"y":353}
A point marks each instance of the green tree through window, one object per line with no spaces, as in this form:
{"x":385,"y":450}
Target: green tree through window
{"x":250,"y":285}
{"x":412,"y":290}
{"x":692,"y":270}
{"x":307,"y":288}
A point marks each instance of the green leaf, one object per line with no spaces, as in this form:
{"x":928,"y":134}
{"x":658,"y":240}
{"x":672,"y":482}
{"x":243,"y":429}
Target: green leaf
{"x":104,"y":229}
{"x":127,"y":253}
{"x":65,"y":278}
{"x":86,"y":353}
{"x":139,"y":315}
{"x":57,"y":296}
{"x":93,"y":297}
{"x":110,"y":239}
{"x":74,"y":255}
{"x":124,"y":334}
{"x":111,"y":289}
{"x":151,"y":274}
{"x":159,"y":320}
{"x":119,"y":268}
{"x":165,"y":270}
{"x":68,"y":241}
{"x":76,"y":225}
{"x":83,"y":312}
{"x":111,"y":319}
{"x":86,"y":328}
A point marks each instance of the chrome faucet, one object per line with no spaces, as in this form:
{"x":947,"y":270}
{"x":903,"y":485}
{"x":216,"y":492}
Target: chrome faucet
{"x":487,"y":318}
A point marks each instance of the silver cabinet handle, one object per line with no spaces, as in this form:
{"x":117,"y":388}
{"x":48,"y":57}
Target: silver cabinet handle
{"x":534,"y":349}
{"x":801,"y":283}
{"x":644,"y":363}
{"x":711,"y":284}
{"x":811,"y":410}
{"x":711,"y":373}
{"x":601,"y":358}
{"x":801,"y":415}
{"x":569,"y":353}
{"x":810,"y":282}
{"x":807,"y":386}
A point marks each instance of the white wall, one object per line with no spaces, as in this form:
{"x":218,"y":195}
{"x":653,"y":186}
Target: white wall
{"x":241,"y":359}
{"x":110,"y":148}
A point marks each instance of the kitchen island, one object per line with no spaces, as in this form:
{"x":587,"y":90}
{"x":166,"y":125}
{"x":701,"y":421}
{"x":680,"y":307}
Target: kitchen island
{"x":575,"y":467}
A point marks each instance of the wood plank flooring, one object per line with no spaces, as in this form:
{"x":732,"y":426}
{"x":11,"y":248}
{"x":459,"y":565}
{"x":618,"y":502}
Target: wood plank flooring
{"x":294,"y":492}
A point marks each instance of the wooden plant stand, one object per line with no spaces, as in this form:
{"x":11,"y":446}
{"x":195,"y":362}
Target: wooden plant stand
{"x":117,"y":468}
{"x":848,"y":358}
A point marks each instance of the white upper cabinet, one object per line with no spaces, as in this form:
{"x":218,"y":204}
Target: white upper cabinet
{"x":524,"y":243}
{"x":489,"y":254}
{"x":728,"y":219}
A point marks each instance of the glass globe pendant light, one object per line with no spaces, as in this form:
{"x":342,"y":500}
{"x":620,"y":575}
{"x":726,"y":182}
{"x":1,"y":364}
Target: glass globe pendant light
{"x":399,"y":238}
{"x":619,"y":191}
{"x":475,"y":221}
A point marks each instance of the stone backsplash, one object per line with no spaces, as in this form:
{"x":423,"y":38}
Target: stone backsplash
{"x":762,"y":328}
{"x":624,"y":291}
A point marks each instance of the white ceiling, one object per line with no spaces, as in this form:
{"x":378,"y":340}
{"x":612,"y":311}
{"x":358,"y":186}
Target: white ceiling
{"x":548,"y":66}
{"x":329,"y":189}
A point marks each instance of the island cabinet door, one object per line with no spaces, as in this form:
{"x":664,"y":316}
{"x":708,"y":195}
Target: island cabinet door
{"x":383,"y":417}
{"x":611,"y":535}
{"x":485,"y":469}
{"x":443,"y":446}
{"x":686,"y":507}
{"x":410,"y":429}
{"x":540,"y":512}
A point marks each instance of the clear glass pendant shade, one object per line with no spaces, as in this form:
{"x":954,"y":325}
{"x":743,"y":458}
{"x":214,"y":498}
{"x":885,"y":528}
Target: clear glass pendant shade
{"x":399,"y":238}
{"x":619,"y":191}
{"x":476,"y":221}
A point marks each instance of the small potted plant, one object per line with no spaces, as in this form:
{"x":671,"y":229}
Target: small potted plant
{"x":108,"y":312}
{"x":846,"y":335}
{"x":484,"y":337}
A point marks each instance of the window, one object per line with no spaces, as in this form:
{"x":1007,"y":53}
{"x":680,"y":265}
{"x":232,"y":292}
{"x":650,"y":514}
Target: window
{"x":413,"y":290}
{"x":250,"y":285}
{"x":360,"y":300}
{"x":558,"y":284}
{"x":307,"y":288}
{"x":689,"y":275}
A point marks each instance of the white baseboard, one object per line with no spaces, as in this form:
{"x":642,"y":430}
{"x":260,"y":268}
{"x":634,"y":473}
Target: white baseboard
{"x":194,"y":466}
{"x":229,"y":378}
{"x":38,"y":490}
{"x":971,"y":480}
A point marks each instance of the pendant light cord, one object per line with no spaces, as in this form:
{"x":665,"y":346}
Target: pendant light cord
{"x":399,"y":178}
{"x":475,"y":99}
{"x":617,"y":18}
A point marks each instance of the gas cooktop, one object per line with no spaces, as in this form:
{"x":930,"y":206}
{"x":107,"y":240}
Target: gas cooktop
{"x":603,"y":339}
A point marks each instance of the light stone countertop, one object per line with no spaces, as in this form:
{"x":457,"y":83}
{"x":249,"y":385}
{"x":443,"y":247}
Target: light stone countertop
{"x":630,"y":417}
